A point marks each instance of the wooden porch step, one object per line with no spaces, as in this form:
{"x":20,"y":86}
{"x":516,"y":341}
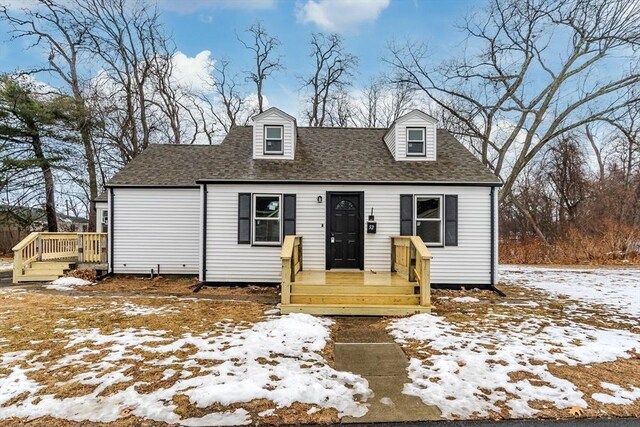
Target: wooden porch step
{"x":353,"y":289}
{"x":32,"y":277}
{"x":354,"y":309}
{"x":361,"y":299}
{"x":49,"y":265}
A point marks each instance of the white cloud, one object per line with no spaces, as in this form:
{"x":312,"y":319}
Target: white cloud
{"x":193,"y":73}
{"x":190,"y":6}
{"x":340,"y":15}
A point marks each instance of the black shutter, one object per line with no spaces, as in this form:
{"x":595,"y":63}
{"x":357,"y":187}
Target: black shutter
{"x":451,"y":220}
{"x":406,"y":214}
{"x":244,"y":218}
{"x":289,"y":215}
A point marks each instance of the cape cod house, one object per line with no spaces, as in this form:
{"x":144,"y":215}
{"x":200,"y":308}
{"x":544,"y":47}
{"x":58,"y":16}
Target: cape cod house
{"x":348,"y":220}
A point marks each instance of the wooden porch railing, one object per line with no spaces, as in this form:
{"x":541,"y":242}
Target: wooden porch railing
{"x":411,"y":259}
{"x":46,"y":246}
{"x":291,"y":257}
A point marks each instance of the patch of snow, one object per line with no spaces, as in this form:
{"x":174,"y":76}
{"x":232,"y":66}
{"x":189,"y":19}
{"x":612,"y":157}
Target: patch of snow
{"x":313,"y":410}
{"x":465,"y":299}
{"x":130,"y":309}
{"x":6,"y":265}
{"x":67,"y":283}
{"x":470,"y":372}
{"x":272,"y":312}
{"x":267,"y":413}
{"x":620,"y":395}
{"x":278,"y":359}
{"x":618,"y":288}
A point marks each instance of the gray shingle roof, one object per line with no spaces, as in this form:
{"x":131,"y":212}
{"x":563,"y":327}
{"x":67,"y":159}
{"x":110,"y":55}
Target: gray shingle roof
{"x":322,"y":154}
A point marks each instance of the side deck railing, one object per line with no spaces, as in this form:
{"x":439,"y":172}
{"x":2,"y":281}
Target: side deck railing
{"x":411,"y":258}
{"x":291,"y":257}
{"x":49,"y":246}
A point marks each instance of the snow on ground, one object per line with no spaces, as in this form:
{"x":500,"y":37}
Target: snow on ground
{"x":67,"y":283}
{"x":465,"y":299}
{"x":618,"y":288}
{"x":620,"y":396}
{"x":470,"y":373}
{"x":6,"y":265}
{"x":277,"y":359}
{"x":130,"y":309}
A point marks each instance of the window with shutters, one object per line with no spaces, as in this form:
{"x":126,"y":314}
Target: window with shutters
{"x":266,"y":219}
{"x":428,"y":219}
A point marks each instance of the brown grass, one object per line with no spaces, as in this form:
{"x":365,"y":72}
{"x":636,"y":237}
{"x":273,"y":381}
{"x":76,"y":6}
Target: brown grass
{"x":610,"y":247}
{"x":38,"y":312}
{"x":474,"y":317}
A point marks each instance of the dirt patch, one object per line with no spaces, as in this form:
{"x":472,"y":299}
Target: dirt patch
{"x":183,"y":286}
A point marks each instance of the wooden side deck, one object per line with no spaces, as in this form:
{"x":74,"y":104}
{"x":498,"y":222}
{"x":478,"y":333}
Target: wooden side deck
{"x":404,"y":291}
{"x":45,"y":256}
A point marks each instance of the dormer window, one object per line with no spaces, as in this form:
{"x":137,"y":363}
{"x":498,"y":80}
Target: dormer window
{"x":416,"y":142}
{"x":273,"y":136}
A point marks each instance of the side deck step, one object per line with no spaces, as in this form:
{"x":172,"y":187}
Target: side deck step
{"x":337,"y":289}
{"x":360,"y":299}
{"x":354,"y":309}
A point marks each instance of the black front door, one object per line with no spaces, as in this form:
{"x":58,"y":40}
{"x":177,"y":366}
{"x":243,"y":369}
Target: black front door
{"x":344,"y":230}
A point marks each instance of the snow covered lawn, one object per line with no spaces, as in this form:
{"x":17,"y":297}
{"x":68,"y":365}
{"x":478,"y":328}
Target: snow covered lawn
{"x":166,"y":359}
{"x":562,"y":343}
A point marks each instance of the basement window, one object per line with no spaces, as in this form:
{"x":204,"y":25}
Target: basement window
{"x":416,"y":142}
{"x":429,"y":219}
{"x":266,"y":219}
{"x":273,"y":136}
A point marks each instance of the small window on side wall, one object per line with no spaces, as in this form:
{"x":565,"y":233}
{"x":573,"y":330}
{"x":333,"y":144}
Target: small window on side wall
{"x":429,"y":219}
{"x":266,"y":219}
{"x":273,"y":139}
{"x":416,"y":144}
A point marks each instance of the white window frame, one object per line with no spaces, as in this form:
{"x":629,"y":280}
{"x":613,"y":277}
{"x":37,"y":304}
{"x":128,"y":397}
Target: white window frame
{"x":254,"y":218}
{"x":104,"y":225}
{"x":424,"y":142}
{"x":264,"y":145}
{"x":441,"y":219}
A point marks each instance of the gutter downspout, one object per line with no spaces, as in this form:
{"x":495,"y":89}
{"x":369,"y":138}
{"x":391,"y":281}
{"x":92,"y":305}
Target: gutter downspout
{"x":204,"y":234}
{"x":493,"y":243}
{"x":110,"y":236}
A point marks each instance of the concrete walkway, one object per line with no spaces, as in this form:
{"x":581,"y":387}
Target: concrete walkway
{"x":370,"y":352}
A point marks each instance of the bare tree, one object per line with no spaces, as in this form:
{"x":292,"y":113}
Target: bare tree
{"x":263,"y":45}
{"x":230,"y":106}
{"x":63,"y":32}
{"x":512,"y":92}
{"x":135,"y":53}
{"x":332,"y":69}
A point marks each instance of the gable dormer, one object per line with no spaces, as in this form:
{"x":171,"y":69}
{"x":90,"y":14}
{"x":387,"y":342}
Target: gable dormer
{"x":412,"y":137}
{"x":274,"y":135}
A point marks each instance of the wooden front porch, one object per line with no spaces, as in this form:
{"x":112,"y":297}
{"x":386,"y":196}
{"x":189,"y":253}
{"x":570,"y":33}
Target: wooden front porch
{"x":402,"y":291}
{"x":45,"y":256}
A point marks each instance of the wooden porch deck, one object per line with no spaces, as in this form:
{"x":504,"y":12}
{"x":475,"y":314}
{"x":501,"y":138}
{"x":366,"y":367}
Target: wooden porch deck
{"x":45,"y":256}
{"x":404,"y":291}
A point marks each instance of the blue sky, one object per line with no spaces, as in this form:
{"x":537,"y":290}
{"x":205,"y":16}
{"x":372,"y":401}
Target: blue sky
{"x":366,"y":25}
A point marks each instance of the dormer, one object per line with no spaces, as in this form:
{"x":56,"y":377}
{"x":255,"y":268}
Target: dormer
{"x":412,"y":137}
{"x":274,"y":135}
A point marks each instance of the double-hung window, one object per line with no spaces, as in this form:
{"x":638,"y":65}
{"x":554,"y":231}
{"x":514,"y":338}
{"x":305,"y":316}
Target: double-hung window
{"x":429,"y":219}
{"x":267,"y":228}
{"x":416,"y":142}
{"x":104,"y":221}
{"x":273,"y":136}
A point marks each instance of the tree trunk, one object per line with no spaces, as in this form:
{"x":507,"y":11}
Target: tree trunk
{"x":49,"y":186}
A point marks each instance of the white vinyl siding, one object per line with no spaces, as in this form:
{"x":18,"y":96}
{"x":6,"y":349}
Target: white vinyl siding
{"x":468,"y":263}
{"x":156,"y":226}
{"x":102,"y":212}
{"x":274,"y":118}
{"x":415,"y":120}
{"x":390,"y":140}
